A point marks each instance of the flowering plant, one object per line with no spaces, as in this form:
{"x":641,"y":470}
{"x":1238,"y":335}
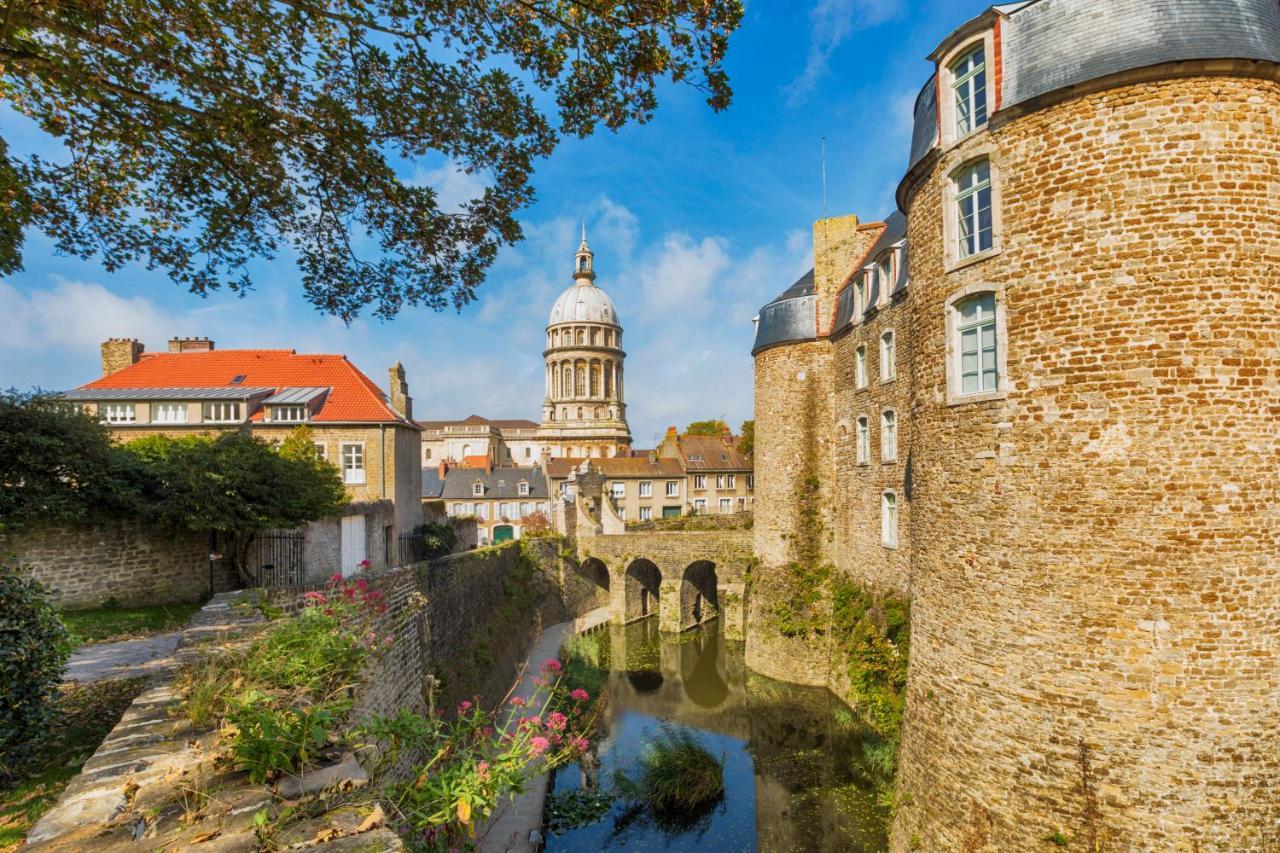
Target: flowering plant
{"x":478,"y":757}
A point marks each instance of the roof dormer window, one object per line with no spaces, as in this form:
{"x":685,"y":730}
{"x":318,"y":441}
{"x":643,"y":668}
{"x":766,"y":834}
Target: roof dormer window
{"x":477,"y":490}
{"x":288,"y":414}
{"x":523,"y":488}
{"x":969,"y":87}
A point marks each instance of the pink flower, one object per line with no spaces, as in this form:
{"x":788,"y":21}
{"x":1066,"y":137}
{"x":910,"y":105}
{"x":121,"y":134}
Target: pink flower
{"x":556,"y":721}
{"x":482,"y":771}
{"x":362,"y":584}
{"x":579,"y":695}
{"x":336,"y":577}
{"x":315,"y":597}
{"x":487,"y":731}
{"x":388,"y":640}
{"x":539,"y":745}
{"x":517,"y":701}
{"x":364,"y":564}
{"x":580,"y":744}
{"x":557,"y":739}
{"x":464,"y":707}
{"x":552,"y":665}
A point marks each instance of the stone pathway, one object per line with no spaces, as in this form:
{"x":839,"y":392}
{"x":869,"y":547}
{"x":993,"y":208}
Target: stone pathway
{"x":516,"y":825}
{"x":125,"y":659}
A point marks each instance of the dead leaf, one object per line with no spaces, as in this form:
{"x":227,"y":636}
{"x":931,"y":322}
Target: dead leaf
{"x":206,"y":836}
{"x":327,"y":834}
{"x":375,"y":819}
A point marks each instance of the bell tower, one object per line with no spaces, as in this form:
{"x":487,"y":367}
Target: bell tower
{"x":584,"y":262}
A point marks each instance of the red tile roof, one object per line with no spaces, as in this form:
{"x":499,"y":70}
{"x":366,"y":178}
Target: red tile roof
{"x":353,"y":396}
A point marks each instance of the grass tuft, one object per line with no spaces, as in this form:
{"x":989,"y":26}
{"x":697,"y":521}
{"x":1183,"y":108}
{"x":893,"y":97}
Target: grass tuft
{"x":681,"y":776}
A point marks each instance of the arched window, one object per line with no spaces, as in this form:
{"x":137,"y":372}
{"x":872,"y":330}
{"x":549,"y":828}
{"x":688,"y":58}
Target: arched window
{"x":595,"y":379}
{"x":582,"y":264}
{"x":860,"y":367}
{"x":582,"y":336}
{"x":863,"y":441}
{"x":889,"y":520}
{"x":581,"y":371}
{"x":889,"y":435}
{"x":884,"y":277}
{"x":579,"y":408}
{"x":566,"y":388}
{"x":888,"y":357}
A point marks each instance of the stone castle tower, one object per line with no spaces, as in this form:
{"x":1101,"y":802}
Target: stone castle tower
{"x":1043,"y":401}
{"x":584,"y":414}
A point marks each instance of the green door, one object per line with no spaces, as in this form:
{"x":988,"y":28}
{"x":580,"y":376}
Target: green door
{"x":503,"y":533}
{"x":671,"y":512}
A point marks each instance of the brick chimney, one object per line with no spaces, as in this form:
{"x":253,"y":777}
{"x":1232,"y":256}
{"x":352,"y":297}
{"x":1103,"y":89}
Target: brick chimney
{"x":400,"y":399}
{"x":726,"y":435}
{"x":190,"y":345}
{"x":119,"y":353}
{"x":442,"y":468}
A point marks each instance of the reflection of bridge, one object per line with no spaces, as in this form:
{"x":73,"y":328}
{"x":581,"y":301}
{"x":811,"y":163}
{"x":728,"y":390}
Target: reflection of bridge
{"x":684,"y":577}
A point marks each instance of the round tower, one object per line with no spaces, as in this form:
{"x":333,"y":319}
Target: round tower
{"x":584,"y":413}
{"x":1095,"y":276}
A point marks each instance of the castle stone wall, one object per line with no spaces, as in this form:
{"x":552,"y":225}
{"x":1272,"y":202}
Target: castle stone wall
{"x":1096,"y":615}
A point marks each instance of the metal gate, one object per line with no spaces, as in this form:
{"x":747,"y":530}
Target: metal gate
{"x":278,"y":558}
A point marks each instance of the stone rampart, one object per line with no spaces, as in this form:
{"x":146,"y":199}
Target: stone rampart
{"x":132,"y":565}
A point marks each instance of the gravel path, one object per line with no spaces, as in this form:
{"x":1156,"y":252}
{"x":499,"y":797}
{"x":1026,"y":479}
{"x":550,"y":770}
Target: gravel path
{"x":125,"y":659}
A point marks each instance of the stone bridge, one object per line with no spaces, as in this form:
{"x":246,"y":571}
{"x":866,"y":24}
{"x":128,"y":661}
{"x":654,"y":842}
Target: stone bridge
{"x":684,"y":577}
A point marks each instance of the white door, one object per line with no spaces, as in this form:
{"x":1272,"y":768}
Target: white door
{"x":352,"y":544}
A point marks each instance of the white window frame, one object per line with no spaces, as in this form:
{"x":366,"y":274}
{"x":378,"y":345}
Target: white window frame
{"x":950,"y":134}
{"x":889,"y":519}
{"x":522,"y":489}
{"x":216,"y":412}
{"x":751,"y":482}
{"x":731,"y":481}
{"x":673,"y":488}
{"x":699,"y":482}
{"x":477,"y":490}
{"x":888,"y":356}
{"x":964,"y":86}
{"x":118,"y":413}
{"x":862,"y":440}
{"x":860,"y":296}
{"x":352,"y":474}
{"x":726,"y":506}
{"x":860,"y":367}
{"x":646,"y":513}
{"x":889,"y":436}
{"x":169,"y":412}
{"x":955,"y":393}
{"x":289,"y":413}
{"x":322,"y":451}
{"x":646,"y":489}
{"x":952,"y":226}
{"x":700,"y":506}
{"x":719,"y":481}
{"x":618,"y":490}
{"x":968,"y":182}
{"x":884,"y":276}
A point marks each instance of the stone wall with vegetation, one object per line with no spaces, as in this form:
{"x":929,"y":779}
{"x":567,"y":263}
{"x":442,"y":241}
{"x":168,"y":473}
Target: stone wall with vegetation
{"x":452,"y":629}
{"x":88,"y":566}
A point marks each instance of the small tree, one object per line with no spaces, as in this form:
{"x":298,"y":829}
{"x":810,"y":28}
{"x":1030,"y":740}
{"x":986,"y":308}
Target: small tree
{"x":238,"y":485}
{"x":747,"y":441}
{"x":57,"y":464}
{"x":33,"y":656}
{"x":535,"y":524}
{"x":715,"y":427}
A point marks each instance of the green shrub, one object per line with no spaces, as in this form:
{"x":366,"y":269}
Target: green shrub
{"x":681,"y":778}
{"x":272,"y":739}
{"x":438,"y":540}
{"x":33,"y":656}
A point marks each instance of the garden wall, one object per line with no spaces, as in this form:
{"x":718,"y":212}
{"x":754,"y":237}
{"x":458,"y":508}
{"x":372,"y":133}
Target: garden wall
{"x":87,"y":566}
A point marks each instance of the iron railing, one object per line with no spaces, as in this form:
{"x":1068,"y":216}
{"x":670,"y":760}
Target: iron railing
{"x":278,"y":558}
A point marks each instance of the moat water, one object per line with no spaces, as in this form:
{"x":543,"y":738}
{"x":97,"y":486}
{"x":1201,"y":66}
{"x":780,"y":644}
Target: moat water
{"x":796,"y":774}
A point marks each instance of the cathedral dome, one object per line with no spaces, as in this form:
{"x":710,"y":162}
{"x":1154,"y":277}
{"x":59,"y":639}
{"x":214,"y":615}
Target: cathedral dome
{"x":584,"y":302}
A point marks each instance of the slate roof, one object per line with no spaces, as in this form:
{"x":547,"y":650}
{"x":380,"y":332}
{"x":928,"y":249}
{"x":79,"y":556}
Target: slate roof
{"x":499,"y":484}
{"x":895,"y":230}
{"x":351,"y":397}
{"x":432,"y":484}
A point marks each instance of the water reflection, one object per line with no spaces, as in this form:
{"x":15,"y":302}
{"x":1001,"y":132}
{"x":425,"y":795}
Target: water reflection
{"x":796,"y":777}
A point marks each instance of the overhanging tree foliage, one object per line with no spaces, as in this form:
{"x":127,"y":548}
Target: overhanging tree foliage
{"x":238,"y":485}
{"x":202,"y":134}
{"x":713,"y":427}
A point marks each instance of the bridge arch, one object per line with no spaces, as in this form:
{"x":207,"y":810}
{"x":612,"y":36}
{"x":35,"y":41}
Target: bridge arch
{"x":642,"y":589}
{"x":699,"y":600}
{"x":595,"y":572}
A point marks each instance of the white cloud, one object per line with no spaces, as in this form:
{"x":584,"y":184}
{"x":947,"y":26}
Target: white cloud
{"x":679,"y":280}
{"x":831,"y":22}
{"x":454,"y":186}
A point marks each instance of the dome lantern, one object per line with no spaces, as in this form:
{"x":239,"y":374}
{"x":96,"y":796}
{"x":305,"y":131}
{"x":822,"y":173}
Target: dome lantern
{"x":584,"y":261}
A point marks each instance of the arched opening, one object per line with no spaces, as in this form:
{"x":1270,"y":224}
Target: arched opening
{"x":698,"y":598}
{"x":643,"y":584}
{"x":700,"y":670}
{"x":594,"y":572}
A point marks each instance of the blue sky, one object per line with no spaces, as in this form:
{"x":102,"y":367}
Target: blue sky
{"x":696,"y":219}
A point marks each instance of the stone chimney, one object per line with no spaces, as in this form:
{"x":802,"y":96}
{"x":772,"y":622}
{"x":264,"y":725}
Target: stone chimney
{"x":726,"y":435}
{"x":119,"y":353}
{"x":838,"y":244}
{"x":400,"y":399}
{"x":442,"y":468}
{"x":190,"y":345}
